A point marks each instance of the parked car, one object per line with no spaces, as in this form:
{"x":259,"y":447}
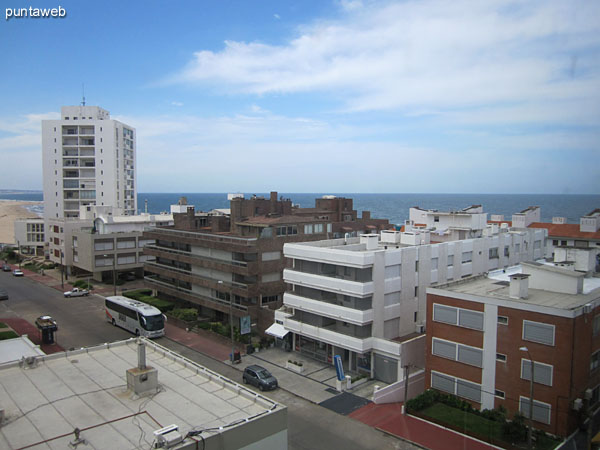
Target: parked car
{"x":18,"y":273}
{"x":260,"y":377}
{"x":5,"y":268}
{"x":3,"y":294}
{"x":76,"y":292}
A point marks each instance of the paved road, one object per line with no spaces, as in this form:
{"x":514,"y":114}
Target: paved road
{"x":81,"y":323}
{"x":80,"y":320}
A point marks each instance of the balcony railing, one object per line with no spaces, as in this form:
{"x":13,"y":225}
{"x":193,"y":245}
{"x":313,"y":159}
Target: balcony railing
{"x":248,"y":242}
{"x":326,"y":309}
{"x":200,"y":257}
{"x":355,"y":288}
{"x":191,"y":293}
{"x":230,"y":284}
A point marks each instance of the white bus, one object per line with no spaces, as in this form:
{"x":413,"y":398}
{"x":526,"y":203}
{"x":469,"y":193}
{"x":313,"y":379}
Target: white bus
{"x":135,"y":316}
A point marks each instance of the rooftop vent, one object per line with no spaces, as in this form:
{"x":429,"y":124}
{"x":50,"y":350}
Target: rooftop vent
{"x":143,"y":379}
{"x":519,"y":285}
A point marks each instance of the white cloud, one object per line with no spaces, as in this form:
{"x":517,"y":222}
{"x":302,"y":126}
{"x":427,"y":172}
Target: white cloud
{"x":176,"y":103}
{"x":423,"y":55}
{"x":277,"y":16}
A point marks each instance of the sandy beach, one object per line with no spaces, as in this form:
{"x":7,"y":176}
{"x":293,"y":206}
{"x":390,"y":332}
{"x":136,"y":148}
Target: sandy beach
{"x":9,"y":211}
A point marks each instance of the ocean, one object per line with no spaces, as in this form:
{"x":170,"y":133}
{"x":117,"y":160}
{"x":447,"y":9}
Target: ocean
{"x":393,"y":207}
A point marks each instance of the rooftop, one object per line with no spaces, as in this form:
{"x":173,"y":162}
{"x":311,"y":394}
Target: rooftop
{"x":568,"y":230}
{"x":496,"y":285}
{"x":87,"y":389}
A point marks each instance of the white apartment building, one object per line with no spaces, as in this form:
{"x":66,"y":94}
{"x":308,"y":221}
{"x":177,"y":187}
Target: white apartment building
{"x":29,"y":235}
{"x":88,"y":159}
{"x":365,"y":298}
{"x":450,"y":226}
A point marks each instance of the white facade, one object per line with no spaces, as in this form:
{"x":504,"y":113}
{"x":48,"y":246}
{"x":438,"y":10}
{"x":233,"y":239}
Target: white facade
{"x":370,"y":299}
{"x":450,"y":226}
{"x":88,"y":159}
{"x":526,"y":217}
{"x":29,"y":234}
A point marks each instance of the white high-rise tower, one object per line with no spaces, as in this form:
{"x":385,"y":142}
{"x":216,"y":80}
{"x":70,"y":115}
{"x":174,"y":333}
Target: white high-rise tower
{"x":88,"y":159}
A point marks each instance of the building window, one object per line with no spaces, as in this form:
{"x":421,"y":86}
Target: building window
{"x":541,"y":411}
{"x":596,"y":325}
{"x":467,"y":257}
{"x":493,"y":253}
{"x":595,"y":360}
{"x":457,"y":352}
{"x":543,"y":372}
{"x":434,"y":263}
{"x":458,"y":316}
{"x":542,"y":333}
{"x":499,"y":393}
{"x":456,"y":386}
{"x":287,"y":230}
{"x":308,"y":229}
{"x":450,"y":260}
{"x":318,"y":227}
{"x":502,"y":320}
{"x":506,"y":252}
{"x":500,"y":357}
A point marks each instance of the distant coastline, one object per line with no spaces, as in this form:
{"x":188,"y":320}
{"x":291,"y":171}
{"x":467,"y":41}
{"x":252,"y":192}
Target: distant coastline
{"x":393,"y":207}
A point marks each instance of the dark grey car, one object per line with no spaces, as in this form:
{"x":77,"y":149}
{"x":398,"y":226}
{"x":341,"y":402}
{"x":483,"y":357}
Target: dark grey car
{"x":260,"y":377}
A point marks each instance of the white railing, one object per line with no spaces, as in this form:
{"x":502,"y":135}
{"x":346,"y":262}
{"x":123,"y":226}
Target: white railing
{"x":331,"y":337}
{"x":355,"y":288}
{"x":322,"y":308}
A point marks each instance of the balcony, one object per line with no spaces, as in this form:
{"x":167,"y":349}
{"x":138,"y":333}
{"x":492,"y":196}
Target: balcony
{"x":331,"y":337}
{"x":339,"y":256}
{"x":193,"y":278}
{"x":331,"y":310}
{"x":214,"y":302}
{"x":354,"y":288}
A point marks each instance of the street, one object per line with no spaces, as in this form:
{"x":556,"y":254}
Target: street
{"x":81,"y":323}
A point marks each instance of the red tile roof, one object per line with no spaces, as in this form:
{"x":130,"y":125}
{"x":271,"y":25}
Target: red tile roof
{"x":569,"y":230}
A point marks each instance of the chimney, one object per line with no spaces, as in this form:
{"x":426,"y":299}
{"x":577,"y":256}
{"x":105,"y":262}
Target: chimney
{"x":366,"y":215}
{"x":519,"y":285}
{"x":273,"y":202}
{"x":370,"y":240}
{"x":143,"y":379}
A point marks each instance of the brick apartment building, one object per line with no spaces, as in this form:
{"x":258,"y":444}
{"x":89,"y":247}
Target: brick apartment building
{"x":477,"y":328}
{"x":207,"y":259}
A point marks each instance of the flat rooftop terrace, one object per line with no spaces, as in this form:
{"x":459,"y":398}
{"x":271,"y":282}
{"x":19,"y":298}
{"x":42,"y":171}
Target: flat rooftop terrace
{"x":45,"y":401}
{"x":496,"y":285}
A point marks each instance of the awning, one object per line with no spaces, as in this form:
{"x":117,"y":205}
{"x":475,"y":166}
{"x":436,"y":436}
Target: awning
{"x":277,"y":330}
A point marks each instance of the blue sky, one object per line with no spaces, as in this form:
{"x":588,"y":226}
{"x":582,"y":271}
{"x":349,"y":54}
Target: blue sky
{"x":318,"y":96}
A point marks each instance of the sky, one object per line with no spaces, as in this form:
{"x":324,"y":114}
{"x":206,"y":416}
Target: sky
{"x":367,"y":96}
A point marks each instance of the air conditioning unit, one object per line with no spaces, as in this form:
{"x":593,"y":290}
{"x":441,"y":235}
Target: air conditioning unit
{"x":588,"y":394}
{"x":167,"y":437}
{"x":587,"y":308}
{"x":420,"y":328}
{"x":577,"y":404}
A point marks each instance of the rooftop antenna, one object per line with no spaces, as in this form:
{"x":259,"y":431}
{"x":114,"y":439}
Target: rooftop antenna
{"x":83,"y":94}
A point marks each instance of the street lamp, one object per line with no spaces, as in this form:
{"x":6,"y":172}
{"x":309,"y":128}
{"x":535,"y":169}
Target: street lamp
{"x":220,"y":283}
{"x":530,"y":430}
{"x":114,"y":269}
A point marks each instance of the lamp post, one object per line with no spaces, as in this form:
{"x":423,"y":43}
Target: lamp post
{"x":220,"y":283}
{"x":62,"y":271}
{"x":114,"y":269}
{"x":530,"y":430}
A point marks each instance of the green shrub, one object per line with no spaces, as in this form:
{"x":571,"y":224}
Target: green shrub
{"x":8,"y":335}
{"x":140,"y":295}
{"x":83,"y":284}
{"x":204,"y":325}
{"x":425,"y":400}
{"x":185,"y":314}
{"x":3,"y":325}
{"x":515,"y":430}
